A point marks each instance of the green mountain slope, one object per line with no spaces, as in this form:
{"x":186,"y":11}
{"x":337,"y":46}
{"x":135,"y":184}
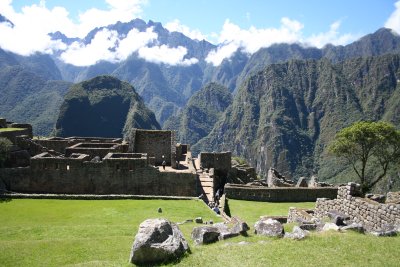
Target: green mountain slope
{"x":28,"y":97}
{"x":285,"y":115}
{"x":198,"y":117}
{"x":105,"y":107}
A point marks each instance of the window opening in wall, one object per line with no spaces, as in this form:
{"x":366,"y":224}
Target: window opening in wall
{"x":130,"y":168}
{"x":44,"y":166}
{"x":67,"y":167}
{"x":57,"y":167}
{"x":117,"y":167}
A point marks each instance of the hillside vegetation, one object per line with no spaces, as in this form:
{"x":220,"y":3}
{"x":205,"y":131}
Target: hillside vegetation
{"x":202,"y":111}
{"x":103,"y":106}
{"x":286,"y":115}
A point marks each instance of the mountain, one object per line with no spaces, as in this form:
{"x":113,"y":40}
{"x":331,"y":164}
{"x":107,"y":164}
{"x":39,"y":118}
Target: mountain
{"x":103,"y":107}
{"x":286,"y":115}
{"x":28,"y":97}
{"x":200,"y":114}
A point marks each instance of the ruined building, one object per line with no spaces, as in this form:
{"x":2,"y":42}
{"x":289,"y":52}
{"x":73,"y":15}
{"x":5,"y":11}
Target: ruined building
{"x":150,"y":162}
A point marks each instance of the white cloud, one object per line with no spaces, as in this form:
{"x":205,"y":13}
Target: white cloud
{"x":99,"y":49}
{"x":331,"y":37}
{"x":393,"y":21}
{"x":33,"y":23}
{"x":232,"y":38}
{"x":133,"y":42}
{"x":251,"y":40}
{"x":119,"y":10}
{"x":107,"y":45}
{"x":166,"y":55}
{"x":176,"y":26}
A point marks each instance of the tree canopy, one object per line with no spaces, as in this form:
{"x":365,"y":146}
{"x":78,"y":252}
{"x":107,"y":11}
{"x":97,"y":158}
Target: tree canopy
{"x":370,"y":148}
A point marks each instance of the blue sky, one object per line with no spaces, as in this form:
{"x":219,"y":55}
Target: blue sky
{"x":247,"y":25}
{"x":208,"y":16}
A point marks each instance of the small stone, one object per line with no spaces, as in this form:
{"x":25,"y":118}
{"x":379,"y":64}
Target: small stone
{"x":198,"y":220}
{"x":159,"y":210}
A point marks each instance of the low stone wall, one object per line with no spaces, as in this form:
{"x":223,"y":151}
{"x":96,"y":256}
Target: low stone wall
{"x":371,"y":214}
{"x":76,"y":177}
{"x":278,"y":194}
{"x":299,"y":215}
{"x":12,"y":135}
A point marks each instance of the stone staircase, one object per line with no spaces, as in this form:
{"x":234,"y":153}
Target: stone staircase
{"x":207,"y":189}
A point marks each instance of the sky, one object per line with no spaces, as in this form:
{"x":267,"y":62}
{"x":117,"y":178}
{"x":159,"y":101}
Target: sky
{"x":247,"y":25}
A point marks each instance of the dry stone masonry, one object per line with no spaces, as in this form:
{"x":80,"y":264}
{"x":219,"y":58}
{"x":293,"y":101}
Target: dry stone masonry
{"x":372,"y":215}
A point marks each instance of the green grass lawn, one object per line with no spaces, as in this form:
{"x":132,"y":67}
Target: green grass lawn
{"x":100,"y":233}
{"x":11,"y":129}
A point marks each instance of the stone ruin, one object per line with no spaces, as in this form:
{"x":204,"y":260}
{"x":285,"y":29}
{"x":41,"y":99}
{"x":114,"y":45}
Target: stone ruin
{"x":276,"y":179}
{"x":349,"y":210}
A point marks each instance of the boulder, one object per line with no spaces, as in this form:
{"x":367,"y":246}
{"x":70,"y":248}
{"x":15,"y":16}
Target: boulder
{"x":338,"y":218}
{"x":376,"y":197}
{"x":393,"y":197}
{"x":302,"y":182}
{"x":308,"y":226}
{"x":205,"y":234}
{"x":239,"y":227}
{"x":224,"y":231}
{"x":269,"y":227}
{"x":297,"y":233}
{"x":353,"y":227}
{"x":158,"y":241}
{"x":384,"y":233}
{"x":329,"y":227}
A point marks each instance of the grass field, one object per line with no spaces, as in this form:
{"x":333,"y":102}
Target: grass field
{"x":11,"y":129}
{"x":100,"y":233}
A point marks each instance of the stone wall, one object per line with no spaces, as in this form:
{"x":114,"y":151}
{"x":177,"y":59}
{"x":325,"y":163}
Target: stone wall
{"x":12,"y":135}
{"x":156,"y":144}
{"x":3,"y":123}
{"x":278,"y":194}
{"x":110,"y":176}
{"x":371,"y":214}
{"x":94,"y":149}
{"x":220,"y":161}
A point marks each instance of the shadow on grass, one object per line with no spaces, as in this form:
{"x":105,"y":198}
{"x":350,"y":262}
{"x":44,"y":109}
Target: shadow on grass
{"x":5,"y":199}
{"x":169,"y":262}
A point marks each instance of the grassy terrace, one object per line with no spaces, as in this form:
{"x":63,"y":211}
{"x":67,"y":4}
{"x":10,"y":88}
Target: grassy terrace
{"x":100,"y":233}
{"x":10,"y":129}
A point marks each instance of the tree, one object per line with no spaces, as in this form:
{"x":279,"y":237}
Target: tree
{"x":369,"y":147}
{"x":5,"y":146}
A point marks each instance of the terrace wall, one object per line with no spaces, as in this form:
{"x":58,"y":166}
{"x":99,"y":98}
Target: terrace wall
{"x":278,"y":194}
{"x":111,"y":176}
{"x":371,"y":214}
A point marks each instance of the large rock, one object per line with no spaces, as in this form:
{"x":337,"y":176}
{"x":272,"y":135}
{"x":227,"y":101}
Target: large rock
{"x":297,"y":233}
{"x":239,"y":227}
{"x":158,"y":241}
{"x":338,"y":218}
{"x":205,"y":234}
{"x":330,"y":227}
{"x":269,"y":227}
{"x":353,"y":227}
